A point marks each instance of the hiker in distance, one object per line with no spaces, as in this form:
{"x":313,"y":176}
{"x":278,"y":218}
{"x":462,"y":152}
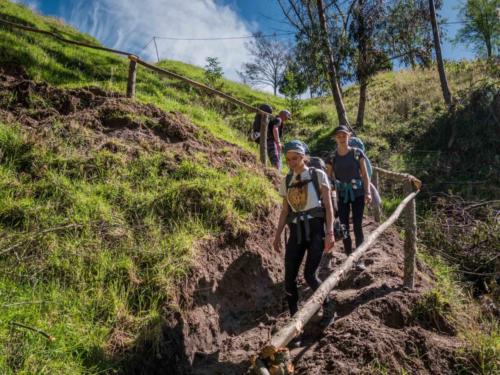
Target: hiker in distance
{"x":347,"y":169}
{"x":274,"y":135}
{"x":307,"y":207}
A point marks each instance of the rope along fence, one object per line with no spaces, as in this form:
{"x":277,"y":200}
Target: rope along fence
{"x":274,"y":358}
{"x":132,"y":75}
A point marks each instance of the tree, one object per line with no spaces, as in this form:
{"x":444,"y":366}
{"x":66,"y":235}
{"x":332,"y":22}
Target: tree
{"x":368,"y":58}
{"x":292,"y":86}
{"x":439,"y":57}
{"x":270,"y":58}
{"x":213,"y":72}
{"x":482,"y":27}
{"x":330,"y":64}
{"x":308,"y":58}
{"x":408,"y":31}
{"x":309,"y":19}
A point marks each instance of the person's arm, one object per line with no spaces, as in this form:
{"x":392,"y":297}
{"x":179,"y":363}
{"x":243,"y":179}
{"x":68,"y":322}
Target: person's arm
{"x":281,"y":225}
{"x":329,"y":170}
{"x":366,"y":180}
{"x":326,"y":197}
{"x":276,"y":135}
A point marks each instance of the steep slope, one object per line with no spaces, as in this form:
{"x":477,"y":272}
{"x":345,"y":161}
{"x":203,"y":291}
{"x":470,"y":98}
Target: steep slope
{"x":42,"y":58}
{"x":139,"y":237}
{"x":107,"y":206}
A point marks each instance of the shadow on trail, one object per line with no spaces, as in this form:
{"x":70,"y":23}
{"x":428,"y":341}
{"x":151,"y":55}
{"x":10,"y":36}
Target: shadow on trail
{"x":244,"y":295}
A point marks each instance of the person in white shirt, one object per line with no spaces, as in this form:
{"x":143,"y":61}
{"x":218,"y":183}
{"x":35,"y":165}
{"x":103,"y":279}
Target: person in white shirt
{"x":307,"y":209}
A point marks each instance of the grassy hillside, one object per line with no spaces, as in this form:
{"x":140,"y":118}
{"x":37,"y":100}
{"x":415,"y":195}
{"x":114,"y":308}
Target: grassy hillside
{"x":99,"y":225}
{"x":63,"y":65}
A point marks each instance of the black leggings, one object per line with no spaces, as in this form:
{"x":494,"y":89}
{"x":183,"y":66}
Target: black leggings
{"x":358,"y":207}
{"x":294,"y":255}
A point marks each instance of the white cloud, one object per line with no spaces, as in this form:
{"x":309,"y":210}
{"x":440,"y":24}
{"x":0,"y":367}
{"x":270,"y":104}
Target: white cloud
{"x":130,"y":24}
{"x":33,"y":4}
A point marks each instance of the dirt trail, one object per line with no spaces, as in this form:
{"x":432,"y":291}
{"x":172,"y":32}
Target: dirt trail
{"x":234,"y":300}
{"x":374,"y":328}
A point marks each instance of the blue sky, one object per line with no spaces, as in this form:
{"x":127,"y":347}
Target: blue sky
{"x":131,"y":24}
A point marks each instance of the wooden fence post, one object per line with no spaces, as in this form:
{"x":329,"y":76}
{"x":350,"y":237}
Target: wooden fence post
{"x":376,"y":209}
{"x":263,"y":139}
{"x":132,"y":72}
{"x":410,"y":246}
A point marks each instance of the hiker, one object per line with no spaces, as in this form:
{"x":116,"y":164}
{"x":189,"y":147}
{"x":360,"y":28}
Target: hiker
{"x":347,"y":169}
{"x":274,"y":135}
{"x":307,"y":206}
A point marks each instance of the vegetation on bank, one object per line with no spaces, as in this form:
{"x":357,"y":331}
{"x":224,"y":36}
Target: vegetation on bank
{"x":94,"y":245}
{"x":95,"y":242}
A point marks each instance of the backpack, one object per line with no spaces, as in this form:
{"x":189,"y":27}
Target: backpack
{"x":317,"y":163}
{"x":255,"y":133}
{"x":358,"y":143}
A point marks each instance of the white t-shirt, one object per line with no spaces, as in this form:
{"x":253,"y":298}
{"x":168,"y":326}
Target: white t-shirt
{"x":309,"y":195}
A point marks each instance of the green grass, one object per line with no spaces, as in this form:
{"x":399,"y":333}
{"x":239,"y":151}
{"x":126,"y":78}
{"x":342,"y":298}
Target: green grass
{"x":100,"y":240}
{"x":448,"y":301}
{"x":136,"y":229}
{"x":96,"y":242}
{"x":46,"y":59}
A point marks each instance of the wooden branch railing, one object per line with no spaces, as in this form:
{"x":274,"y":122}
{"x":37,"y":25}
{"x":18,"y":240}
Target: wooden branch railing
{"x":399,"y":176}
{"x":132,"y":74}
{"x":295,"y":326}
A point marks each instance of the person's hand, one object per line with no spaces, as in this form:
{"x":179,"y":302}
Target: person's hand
{"x":368,"y":198}
{"x":329,"y":242}
{"x":277,"y":244}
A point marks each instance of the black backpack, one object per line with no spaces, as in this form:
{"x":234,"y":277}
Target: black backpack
{"x":317,"y":163}
{"x":255,"y":134}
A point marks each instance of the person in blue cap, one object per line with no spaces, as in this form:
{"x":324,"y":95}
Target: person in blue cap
{"x":307,"y":209}
{"x":348,"y":170}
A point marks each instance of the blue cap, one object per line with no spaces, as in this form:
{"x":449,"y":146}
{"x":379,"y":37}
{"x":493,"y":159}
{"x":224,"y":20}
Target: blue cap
{"x":296,"y":146}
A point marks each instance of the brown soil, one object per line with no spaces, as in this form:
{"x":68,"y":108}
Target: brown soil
{"x":238,"y":303}
{"x":233,"y":300}
{"x":111,"y":121}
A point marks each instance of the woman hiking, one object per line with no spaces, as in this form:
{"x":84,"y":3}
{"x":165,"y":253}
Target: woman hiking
{"x":347,"y":168}
{"x":307,"y":209}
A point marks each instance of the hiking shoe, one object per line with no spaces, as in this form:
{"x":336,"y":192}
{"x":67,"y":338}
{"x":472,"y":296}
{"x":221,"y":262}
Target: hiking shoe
{"x":296,"y":342}
{"x":360,"y":266}
{"x":329,"y":314}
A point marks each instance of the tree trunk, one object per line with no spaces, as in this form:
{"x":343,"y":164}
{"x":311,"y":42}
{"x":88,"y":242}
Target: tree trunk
{"x":331,"y":71}
{"x":362,"y":103}
{"x":488,"y":48}
{"x":362,"y":69}
{"x":439,"y":57}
